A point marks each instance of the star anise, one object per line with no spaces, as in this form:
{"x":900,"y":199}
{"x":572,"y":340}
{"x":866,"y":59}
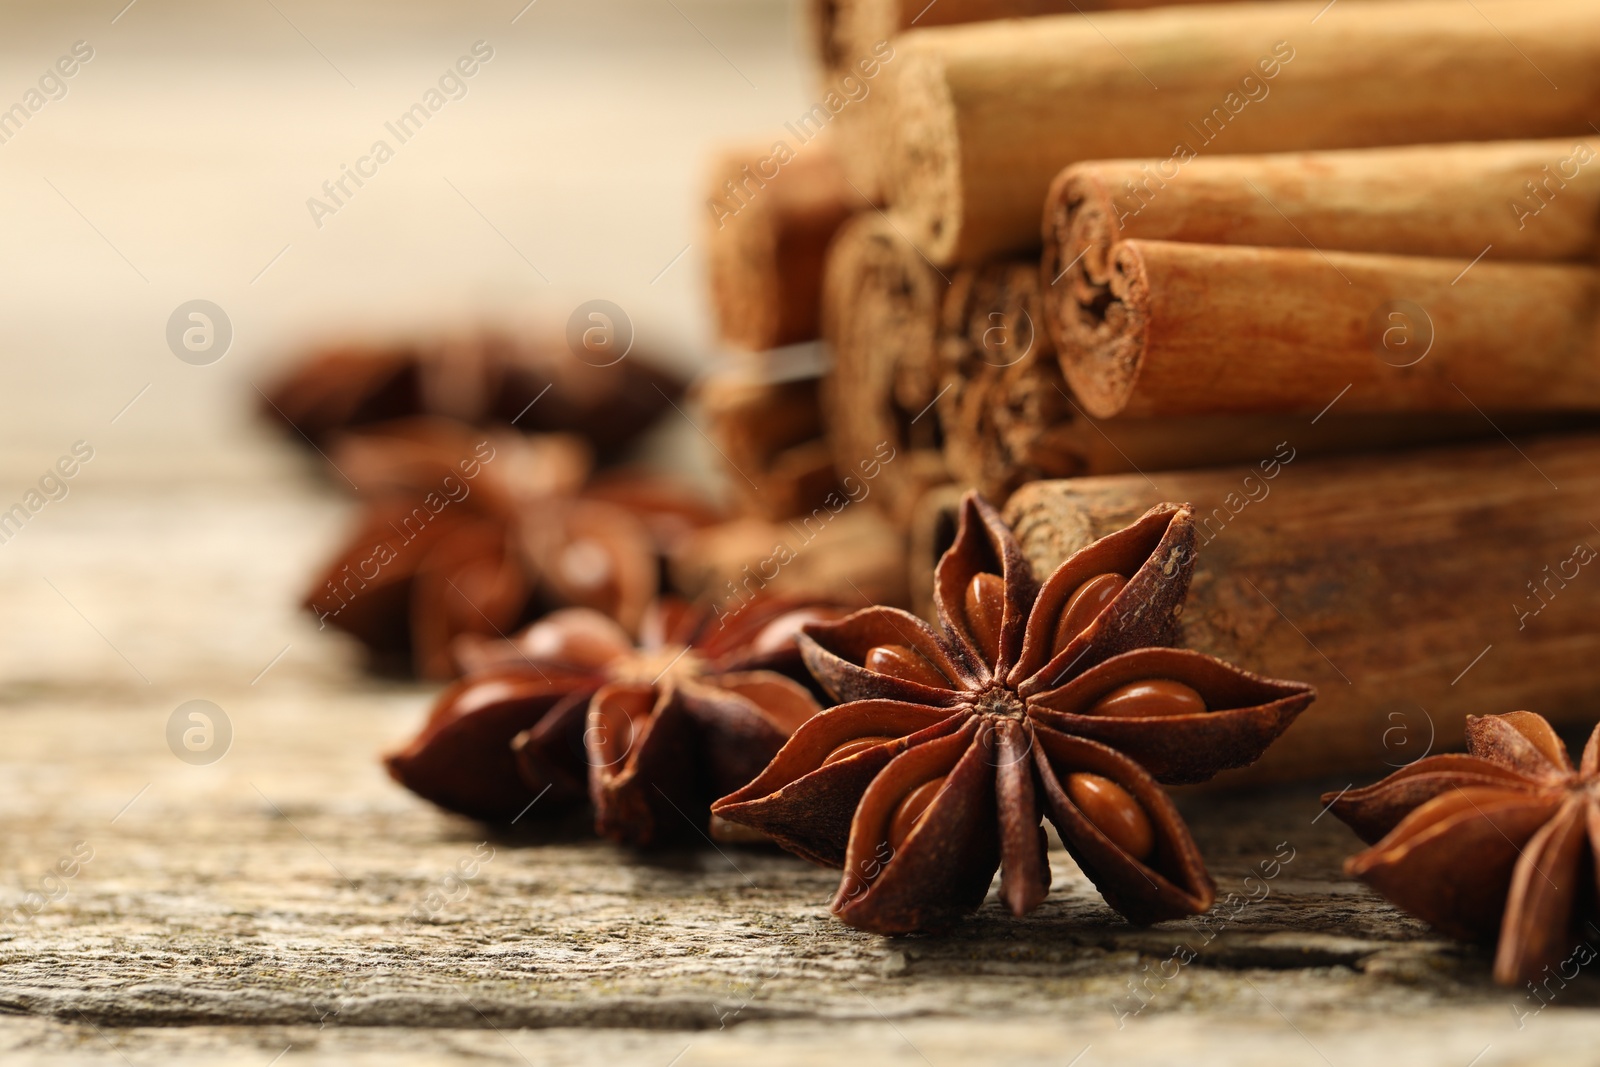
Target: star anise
{"x":1029,"y":699}
{"x":1500,"y":843}
{"x":475,"y":532}
{"x":570,"y":708}
{"x":484,"y":378}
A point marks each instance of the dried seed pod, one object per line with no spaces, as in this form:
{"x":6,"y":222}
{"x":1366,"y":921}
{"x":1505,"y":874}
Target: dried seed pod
{"x":921,"y":786}
{"x":649,"y":734}
{"x":1491,"y":846}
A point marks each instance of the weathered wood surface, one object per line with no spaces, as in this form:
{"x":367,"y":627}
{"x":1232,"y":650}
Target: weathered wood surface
{"x":281,"y":895}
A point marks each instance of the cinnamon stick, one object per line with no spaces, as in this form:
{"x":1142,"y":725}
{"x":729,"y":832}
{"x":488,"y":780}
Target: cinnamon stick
{"x":840,"y":552}
{"x":854,"y":39}
{"x":1527,"y":200}
{"x":1412,"y":590}
{"x":1203,"y":329}
{"x":769,"y":432}
{"x":1008,"y":417}
{"x":1519,"y":200}
{"x":880,"y":313}
{"x":772,"y":210}
{"x":985,"y":115}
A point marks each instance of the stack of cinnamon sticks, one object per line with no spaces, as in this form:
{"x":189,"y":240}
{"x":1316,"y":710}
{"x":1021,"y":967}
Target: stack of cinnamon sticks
{"x":1382,"y":216}
{"x":1108,"y":237}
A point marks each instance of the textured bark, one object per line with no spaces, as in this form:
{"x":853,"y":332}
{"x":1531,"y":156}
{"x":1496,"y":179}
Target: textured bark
{"x":1007,"y":417}
{"x":880,"y":314}
{"x":845,"y":32}
{"x":985,"y":116}
{"x":1421,"y":200}
{"x":769,"y":433}
{"x":1209,"y":329}
{"x":1411,"y":590}
{"x":1528,"y":201}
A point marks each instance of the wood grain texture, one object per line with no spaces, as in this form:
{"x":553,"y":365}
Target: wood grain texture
{"x":209,"y":928}
{"x":985,"y":115}
{"x":1411,"y":589}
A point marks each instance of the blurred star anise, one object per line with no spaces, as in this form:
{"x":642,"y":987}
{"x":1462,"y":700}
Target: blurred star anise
{"x":476,"y":532}
{"x":571,"y":709}
{"x":485,"y":378}
{"x":1500,"y":843}
{"x":1029,"y":700}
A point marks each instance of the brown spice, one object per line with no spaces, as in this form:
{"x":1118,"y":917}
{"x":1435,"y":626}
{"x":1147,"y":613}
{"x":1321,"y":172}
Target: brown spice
{"x":571,"y":709}
{"x":484,"y":378}
{"x":475,"y":531}
{"x":1499,"y":844}
{"x":955,"y":741}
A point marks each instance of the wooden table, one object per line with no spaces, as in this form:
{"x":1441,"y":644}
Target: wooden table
{"x":286,"y":903}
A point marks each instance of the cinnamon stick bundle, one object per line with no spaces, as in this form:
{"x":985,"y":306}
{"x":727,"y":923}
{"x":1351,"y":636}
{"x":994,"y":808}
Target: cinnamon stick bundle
{"x":1520,"y":200}
{"x":772,"y":209}
{"x":1203,"y":329}
{"x":853,"y":37}
{"x":985,"y":115}
{"x":880,"y":314}
{"x":1412,"y":590}
{"x":1007,"y":417}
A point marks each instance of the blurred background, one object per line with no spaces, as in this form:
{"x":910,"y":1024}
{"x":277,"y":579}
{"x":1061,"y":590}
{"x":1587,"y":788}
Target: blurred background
{"x":178,"y":165}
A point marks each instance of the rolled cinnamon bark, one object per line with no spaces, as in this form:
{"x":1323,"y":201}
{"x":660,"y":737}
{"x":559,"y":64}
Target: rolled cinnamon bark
{"x":1412,"y":590}
{"x":1525,"y":200}
{"x":1516,"y":200}
{"x":841,"y":553}
{"x":880,"y":314}
{"x":854,"y":39}
{"x":1201,"y":329}
{"x":772,"y":210}
{"x":1008,"y":417}
{"x":985,"y":115}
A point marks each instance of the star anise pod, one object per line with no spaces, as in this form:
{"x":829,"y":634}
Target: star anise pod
{"x":483,"y":378}
{"x":571,"y":708}
{"x":1029,"y":699}
{"x":476,"y":532}
{"x":1500,"y":843}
